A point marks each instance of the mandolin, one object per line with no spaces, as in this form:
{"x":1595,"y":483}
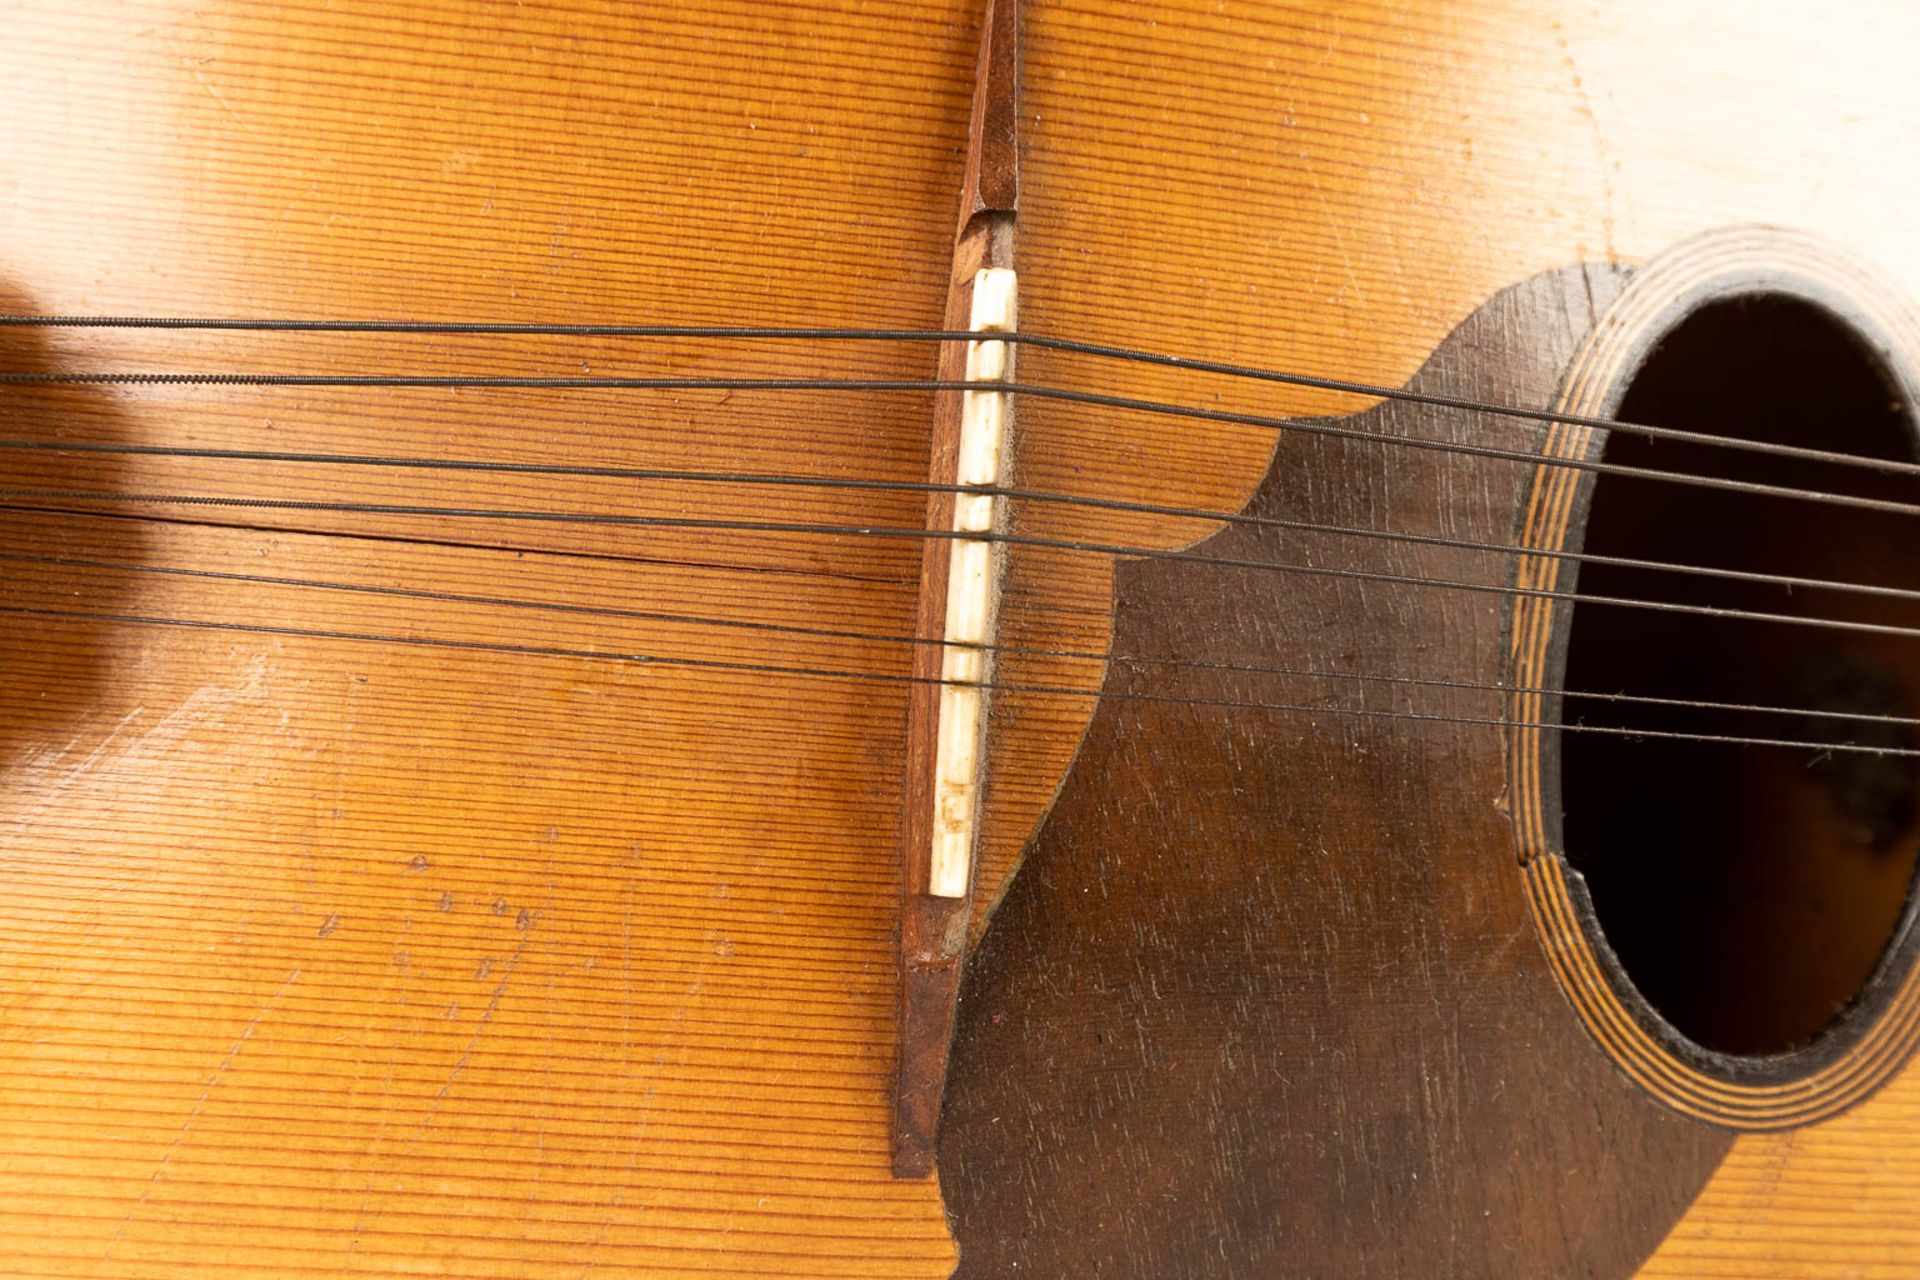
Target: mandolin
{"x":1069,"y":639}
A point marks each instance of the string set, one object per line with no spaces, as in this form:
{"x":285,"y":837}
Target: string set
{"x":58,"y":500}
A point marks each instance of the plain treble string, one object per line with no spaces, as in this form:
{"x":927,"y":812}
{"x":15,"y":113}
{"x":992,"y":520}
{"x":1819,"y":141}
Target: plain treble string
{"x":763,"y":668}
{"x":1012,"y":493}
{"x":869,"y":637}
{"x":902,"y":533}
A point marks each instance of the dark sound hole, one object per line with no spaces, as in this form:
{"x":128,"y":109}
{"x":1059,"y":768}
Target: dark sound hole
{"x":1748,"y":891}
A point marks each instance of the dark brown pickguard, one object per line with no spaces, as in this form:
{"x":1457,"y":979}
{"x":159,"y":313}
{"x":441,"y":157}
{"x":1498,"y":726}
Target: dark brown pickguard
{"x":1264,"y":1000}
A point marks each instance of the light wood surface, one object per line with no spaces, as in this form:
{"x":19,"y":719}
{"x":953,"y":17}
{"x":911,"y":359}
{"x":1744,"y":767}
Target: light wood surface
{"x":324,"y":956}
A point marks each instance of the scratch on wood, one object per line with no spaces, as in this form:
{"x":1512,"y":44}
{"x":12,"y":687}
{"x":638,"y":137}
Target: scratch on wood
{"x":193,"y":1114}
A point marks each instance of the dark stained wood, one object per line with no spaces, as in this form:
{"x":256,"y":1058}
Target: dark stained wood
{"x":992,"y":183}
{"x":1264,"y":999}
{"x":933,"y":930}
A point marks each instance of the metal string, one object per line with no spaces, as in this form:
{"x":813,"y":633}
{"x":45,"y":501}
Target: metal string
{"x":1013,"y":493}
{"x":998,"y":647}
{"x":1097,"y":399}
{"x":903,"y":385}
{"x":765,"y":668}
{"x":1077,"y":546}
{"x":1039,"y":341}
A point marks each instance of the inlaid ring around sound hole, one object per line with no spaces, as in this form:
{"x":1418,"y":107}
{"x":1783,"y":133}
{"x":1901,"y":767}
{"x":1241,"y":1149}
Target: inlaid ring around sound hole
{"x":1873,"y":1036}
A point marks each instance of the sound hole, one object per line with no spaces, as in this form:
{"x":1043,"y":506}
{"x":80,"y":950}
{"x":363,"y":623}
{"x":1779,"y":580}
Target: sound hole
{"x":1748,"y":891}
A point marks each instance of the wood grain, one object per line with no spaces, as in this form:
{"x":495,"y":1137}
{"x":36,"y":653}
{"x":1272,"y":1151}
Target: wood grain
{"x":243,"y":1035}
